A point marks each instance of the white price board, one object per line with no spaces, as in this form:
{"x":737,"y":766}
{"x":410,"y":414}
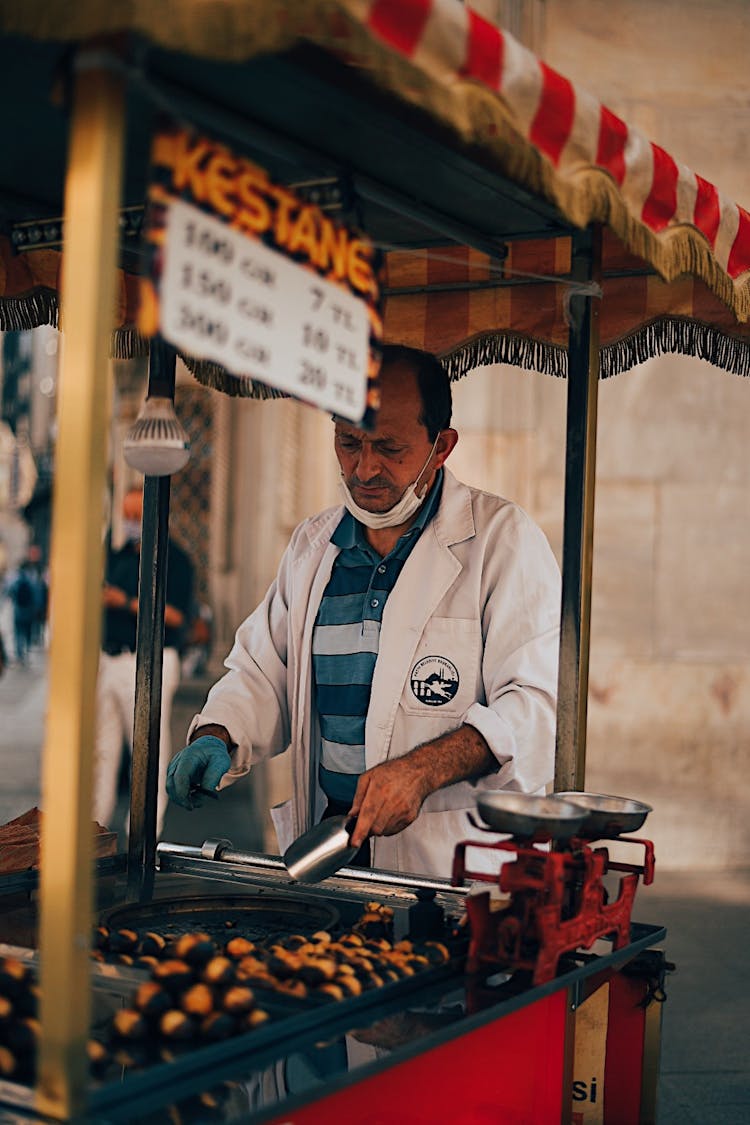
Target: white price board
{"x":229,"y":298}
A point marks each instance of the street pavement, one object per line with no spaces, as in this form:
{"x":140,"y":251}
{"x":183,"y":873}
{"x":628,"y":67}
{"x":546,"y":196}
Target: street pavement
{"x":705,"y":1066}
{"x":705,"y":1063}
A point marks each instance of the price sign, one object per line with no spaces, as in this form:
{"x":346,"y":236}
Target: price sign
{"x":247,"y":275}
{"x":233,"y":300}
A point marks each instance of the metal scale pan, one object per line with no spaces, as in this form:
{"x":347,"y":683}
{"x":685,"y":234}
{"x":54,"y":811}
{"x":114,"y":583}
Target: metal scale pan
{"x":606,"y":816}
{"x":523,"y":816}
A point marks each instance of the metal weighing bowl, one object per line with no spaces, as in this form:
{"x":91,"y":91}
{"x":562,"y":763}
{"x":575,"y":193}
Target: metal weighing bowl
{"x":606,"y":816}
{"x":522,"y":815}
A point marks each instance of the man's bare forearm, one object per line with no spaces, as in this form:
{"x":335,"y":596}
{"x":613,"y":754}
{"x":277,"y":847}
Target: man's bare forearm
{"x":460,"y":755}
{"x":389,"y":796}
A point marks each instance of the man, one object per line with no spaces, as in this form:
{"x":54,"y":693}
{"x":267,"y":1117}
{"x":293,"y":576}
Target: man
{"x":41,"y":595}
{"x":116,"y":679}
{"x":23,"y":594}
{"x":407,"y":651}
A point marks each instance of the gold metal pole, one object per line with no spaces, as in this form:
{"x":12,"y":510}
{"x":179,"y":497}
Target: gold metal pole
{"x":92,"y":194}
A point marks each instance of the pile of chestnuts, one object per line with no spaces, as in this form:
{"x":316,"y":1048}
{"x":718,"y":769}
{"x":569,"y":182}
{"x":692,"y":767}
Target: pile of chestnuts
{"x":209,"y":981}
{"x":19,"y":1021}
{"x":199,"y":990}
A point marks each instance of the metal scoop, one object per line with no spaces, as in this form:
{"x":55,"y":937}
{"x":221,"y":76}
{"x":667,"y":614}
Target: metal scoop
{"x":321,"y":851}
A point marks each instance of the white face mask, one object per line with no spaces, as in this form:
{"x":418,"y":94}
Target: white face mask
{"x":401,"y":511}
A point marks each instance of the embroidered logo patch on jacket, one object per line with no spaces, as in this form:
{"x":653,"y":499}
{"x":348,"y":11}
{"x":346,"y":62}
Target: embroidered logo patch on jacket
{"x":434,"y":680}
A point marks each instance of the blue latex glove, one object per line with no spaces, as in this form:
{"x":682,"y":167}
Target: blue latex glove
{"x":203,"y":763}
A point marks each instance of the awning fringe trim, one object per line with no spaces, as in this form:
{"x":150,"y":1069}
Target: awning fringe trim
{"x":218,"y":378}
{"x":127,"y":343}
{"x":675,"y":336}
{"x":665,"y":336}
{"x":21,"y":314}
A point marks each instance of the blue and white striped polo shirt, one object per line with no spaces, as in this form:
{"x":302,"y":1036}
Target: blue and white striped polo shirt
{"x":345,"y":644}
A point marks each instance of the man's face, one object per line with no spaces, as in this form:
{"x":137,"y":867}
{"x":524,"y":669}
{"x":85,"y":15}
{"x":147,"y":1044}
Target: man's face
{"x":378,"y":467}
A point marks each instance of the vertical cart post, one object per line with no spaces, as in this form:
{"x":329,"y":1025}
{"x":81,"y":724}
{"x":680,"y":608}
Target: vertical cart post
{"x":149,"y":649}
{"x":578,"y":530}
{"x":92,"y":194}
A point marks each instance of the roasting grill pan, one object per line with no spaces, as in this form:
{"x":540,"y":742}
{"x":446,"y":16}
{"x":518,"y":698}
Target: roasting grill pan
{"x":257,"y":917}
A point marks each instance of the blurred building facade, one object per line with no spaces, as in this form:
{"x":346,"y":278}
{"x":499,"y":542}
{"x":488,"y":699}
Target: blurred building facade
{"x":28,"y":388}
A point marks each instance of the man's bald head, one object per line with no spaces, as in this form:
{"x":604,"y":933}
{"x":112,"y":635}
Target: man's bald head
{"x":433,"y":382}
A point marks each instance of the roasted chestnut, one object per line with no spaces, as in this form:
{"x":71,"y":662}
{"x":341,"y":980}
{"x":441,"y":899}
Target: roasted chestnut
{"x":352,"y":939}
{"x":330,"y":991}
{"x":219,"y":971}
{"x":259,"y":980}
{"x":101,"y":938}
{"x":239,"y":947}
{"x":435,"y":952}
{"x":390,"y":975}
{"x":349,"y":985}
{"x":152,"y":999}
{"x":152,"y":944}
{"x":318,"y":970}
{"x":292,"y":988}
{"x":174,"y":975}
{"x":196,"y":948}
{"x":238,"y":1000}
{"x":128,"y":1023}
{"x":98,"y":1055}
{"x":198,"y":1000}
{"x":13,"y":976}
{"x":175,"y":1024}
{"x":146,"y":962}
{"x":418,"y":961}
{"x":295,"y":941}
{"x":123,"y":941}
{"x":255,"y":1018}
{"x":283,"y":963}
{"x":8,"y":1063}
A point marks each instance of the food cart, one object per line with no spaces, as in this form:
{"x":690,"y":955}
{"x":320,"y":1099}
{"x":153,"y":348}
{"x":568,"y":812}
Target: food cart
{"x":521,"y":222}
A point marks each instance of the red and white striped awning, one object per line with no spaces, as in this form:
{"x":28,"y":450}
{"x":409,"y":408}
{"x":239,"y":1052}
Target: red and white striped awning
{"x":598,"y":168}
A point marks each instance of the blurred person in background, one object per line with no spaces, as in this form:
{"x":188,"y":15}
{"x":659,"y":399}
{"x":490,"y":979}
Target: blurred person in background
{"x":117,"y":660}
{"x":23,"y":595}
{"x":41,"y":595}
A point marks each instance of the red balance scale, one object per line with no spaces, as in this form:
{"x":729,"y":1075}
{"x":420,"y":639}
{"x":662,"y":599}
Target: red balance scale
{"x":558,"y":900}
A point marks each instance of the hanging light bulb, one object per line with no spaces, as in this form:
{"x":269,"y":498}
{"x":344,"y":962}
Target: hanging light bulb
{"x":157,"y":444}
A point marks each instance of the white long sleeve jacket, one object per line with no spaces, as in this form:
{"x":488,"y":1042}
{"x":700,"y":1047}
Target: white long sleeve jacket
{"x":469,"y":635}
